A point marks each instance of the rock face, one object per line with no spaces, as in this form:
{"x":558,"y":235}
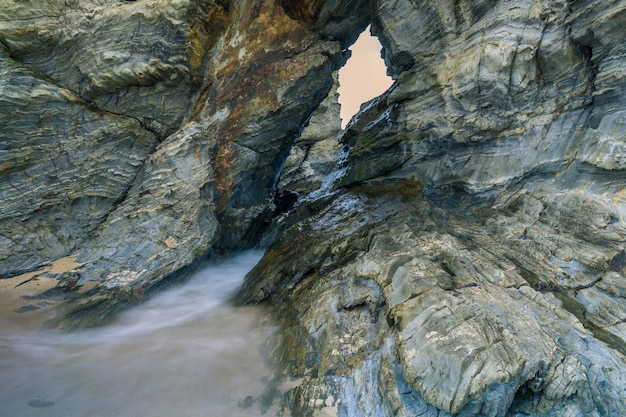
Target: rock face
{"x":164,"y":123}
{"x":469,"y":260}
{"x":466,"y":257}
{"x":315,"y":153}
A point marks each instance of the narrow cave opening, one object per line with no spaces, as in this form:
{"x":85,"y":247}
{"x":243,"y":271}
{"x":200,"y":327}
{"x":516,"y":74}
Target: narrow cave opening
{"x":363,"y":77}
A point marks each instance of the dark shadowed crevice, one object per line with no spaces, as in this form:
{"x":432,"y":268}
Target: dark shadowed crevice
{"x":333,"y":21}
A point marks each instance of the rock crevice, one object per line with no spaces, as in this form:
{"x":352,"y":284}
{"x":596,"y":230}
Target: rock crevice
{"x":459,"y":250}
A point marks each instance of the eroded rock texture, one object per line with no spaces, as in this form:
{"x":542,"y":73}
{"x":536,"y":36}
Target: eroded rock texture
{"x":468,"y":261}
{"x":468,"y":258}
{"x":315,"y":153}
{"x":140,"y":136}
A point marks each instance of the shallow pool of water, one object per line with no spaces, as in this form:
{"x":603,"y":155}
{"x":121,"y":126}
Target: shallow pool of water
{"x":185,"y":352}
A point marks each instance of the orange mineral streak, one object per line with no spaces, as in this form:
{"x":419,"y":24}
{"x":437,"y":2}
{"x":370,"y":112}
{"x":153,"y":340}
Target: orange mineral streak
{"x":248,"y":77}
{"x":205,"y":28}
{"x":196,"y":52}
{"x":226,"y":158}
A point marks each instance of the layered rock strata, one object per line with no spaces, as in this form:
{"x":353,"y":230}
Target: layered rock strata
{"x":164,"y":123}
{"x":315,"y":153}
{"x":466,"y":258}
{"x":468,"y":261}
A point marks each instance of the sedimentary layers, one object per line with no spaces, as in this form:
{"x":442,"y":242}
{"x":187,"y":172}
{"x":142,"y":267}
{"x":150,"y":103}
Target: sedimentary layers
{"x":468,"y":260}
{"x":138,"y":137}
{"x":464,"y":254}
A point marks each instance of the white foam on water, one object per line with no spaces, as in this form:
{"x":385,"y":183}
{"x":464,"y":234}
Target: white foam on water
{"x":184,"y":352}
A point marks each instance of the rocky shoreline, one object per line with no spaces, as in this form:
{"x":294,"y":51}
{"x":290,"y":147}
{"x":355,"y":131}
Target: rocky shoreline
{"x":465,"y":253}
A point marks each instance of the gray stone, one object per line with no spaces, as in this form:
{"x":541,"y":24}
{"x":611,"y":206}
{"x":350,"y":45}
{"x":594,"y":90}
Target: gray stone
{"x":143,"y":155}
{"x":315,"y":153}
{"x":483,"y":195}
{"x":465,"y":256}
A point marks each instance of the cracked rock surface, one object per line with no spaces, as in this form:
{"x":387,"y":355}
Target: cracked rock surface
{"x":138,"y":137}
{"x":465,"y":252}
{"x":469,"y":258}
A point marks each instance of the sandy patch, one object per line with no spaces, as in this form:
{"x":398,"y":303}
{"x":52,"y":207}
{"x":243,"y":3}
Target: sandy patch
{"x":19,"y":305}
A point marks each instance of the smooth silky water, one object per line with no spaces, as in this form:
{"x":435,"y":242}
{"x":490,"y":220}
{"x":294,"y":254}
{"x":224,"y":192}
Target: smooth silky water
{"x":185,"y":352}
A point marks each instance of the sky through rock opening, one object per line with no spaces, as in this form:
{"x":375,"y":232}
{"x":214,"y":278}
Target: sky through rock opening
{"x":363,"y":77}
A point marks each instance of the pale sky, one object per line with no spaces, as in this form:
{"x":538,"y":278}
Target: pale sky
{"x":363,"y":77}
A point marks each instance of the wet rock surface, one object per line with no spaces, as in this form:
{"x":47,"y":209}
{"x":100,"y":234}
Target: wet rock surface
{"x":466,"y":260}
{"x":403,"y":300}
{"x":466,"y":256}
{"x":151,"y":133}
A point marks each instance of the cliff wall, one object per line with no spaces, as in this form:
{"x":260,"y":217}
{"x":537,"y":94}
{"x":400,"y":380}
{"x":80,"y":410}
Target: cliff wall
{"x":464,"y":258}
{"x":138,"y":137}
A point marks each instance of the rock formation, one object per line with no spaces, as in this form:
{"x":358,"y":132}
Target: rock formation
{"x":466,"y":256}
{"x":316,"y":151}
{"x":141,"y":136}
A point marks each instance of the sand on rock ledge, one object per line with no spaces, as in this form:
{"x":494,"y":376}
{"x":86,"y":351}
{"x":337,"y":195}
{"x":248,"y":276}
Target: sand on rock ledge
{"x":21,"y":303}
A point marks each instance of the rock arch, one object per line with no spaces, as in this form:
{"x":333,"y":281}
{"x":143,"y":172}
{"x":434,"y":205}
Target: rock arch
{"x":459,"y":266}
